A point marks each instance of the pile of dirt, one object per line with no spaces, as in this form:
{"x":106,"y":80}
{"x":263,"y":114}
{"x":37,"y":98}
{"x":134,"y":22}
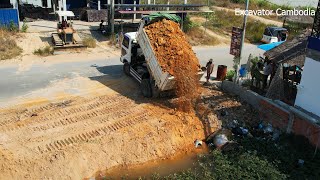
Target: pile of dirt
{"x":176,"y":57}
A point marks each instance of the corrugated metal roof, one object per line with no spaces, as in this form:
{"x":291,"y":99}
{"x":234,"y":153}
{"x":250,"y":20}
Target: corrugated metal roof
{"x":291,"y":50}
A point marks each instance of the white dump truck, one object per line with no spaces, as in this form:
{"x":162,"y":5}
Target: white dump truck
{"x":141,"y":63}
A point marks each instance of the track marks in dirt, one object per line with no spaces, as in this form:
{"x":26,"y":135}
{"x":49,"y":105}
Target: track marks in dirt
{"x":61,"y":114}
{"x":57,"y":126}
{"x":95,"y":134}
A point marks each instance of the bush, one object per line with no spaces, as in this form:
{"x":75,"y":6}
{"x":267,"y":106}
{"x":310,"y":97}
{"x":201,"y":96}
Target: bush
{"x":230,"y":75}
{"x":46,"y":51}
{"x":13,"y":27}
{"x":90,"y":42}
{"x":188,"y":25}
{"x":254,"y":31}
{"x":246,"y":83}
{"x":238,"y":1}
{"x":24,"y":27}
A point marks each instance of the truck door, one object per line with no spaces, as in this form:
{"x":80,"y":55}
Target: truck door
{"x":126,"y":49}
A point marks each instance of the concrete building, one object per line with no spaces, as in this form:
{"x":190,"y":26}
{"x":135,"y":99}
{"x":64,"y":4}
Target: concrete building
{"x":308,"y":95}
{"x":41,"y":3}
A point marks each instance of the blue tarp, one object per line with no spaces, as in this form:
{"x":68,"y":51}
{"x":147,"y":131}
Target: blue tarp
{"x":270,"y":46}
{"x":7,"y":16}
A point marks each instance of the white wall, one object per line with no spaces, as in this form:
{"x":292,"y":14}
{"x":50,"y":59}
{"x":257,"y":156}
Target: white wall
{"x":308,"y":96}
{"x":34,"y":2}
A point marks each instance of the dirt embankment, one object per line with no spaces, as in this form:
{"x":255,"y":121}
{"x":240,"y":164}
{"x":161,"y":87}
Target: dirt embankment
{"x":8,"y":46}
{"x":176,"y":57}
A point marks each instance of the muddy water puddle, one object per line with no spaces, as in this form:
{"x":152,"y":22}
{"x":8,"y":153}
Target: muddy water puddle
{"x":163,"y":167}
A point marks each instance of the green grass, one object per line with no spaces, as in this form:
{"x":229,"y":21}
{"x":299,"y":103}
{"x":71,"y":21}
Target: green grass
{"x":223,"y":21}
{"x":258,"y":159}
{"x":46,"y":51}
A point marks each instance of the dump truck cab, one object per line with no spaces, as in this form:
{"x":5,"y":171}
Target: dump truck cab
{"x":133,"y":58}
{"x":274,"y":34}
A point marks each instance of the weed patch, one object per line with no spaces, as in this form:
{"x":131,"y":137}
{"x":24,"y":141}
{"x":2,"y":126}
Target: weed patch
{"x":46,"y":51}
{"x":223,"y":21}
{"x":90,"y":42}
{"x":8,"y":47}
{"x":197,"y":36}
{"x":258,"y":159}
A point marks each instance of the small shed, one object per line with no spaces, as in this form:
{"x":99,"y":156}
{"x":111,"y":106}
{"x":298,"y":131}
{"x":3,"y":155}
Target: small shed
{"x":291,"y":53}
{"x":8,"y":16}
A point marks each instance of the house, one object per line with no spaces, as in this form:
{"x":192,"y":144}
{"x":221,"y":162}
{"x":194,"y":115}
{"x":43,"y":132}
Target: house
{"x":287,"y":57}
{"x":40,"y":3}
{"x":308,"y":96}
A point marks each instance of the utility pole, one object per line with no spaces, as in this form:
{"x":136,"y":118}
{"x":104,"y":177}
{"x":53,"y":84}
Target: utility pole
{"x":243,"y":37}
{"x":134,"y":9}
{"x":112,"y":17}
{"x":65,"y":8}
{"x":60,"y":8}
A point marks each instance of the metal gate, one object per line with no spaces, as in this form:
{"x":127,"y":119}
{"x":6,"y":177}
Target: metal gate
{"x":8,"y":16}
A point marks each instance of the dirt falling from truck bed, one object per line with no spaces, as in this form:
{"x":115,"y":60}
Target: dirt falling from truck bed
{"x":176,"y":57}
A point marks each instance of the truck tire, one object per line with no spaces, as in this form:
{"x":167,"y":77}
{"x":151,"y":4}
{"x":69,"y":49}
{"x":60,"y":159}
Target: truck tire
{"x":126,"y":69}
{"x":146,"y":88}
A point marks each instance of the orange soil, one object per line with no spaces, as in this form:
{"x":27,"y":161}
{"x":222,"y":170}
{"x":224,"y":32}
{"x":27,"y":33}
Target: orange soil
{"x":176,"y":57}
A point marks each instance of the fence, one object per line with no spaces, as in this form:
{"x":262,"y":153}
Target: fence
{"x":8,"y":16}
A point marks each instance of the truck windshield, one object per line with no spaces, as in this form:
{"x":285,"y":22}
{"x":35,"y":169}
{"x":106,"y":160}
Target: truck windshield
{"x":267,"y":32}
{"x":126,"y":41}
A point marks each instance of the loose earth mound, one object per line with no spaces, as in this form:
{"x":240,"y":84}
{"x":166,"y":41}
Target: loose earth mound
{"x":176,"y":57}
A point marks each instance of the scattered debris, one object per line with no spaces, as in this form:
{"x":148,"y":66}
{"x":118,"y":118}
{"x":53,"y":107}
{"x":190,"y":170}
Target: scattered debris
{"x":300,"y":162}
{"x":198,"y":143}
{"x":220,"y":140}
{"x":240,"y":131}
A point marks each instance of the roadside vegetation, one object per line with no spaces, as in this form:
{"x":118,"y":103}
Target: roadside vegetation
{"x":253,"y":5}
{"x":291,"y":157}
{"x":89,"y":42}
{"x":222,"y":22}
{"x":8,"y":47}
{"x":46,"y":51}
{"x":196,"y":36}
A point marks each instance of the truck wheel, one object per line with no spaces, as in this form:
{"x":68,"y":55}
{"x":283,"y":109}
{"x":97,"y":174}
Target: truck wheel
{"x":146,"y":88}
{"x":126,"y":68}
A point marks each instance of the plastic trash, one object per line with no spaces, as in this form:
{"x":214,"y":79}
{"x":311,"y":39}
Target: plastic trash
{"x":240,"y":131}
{"x":197,"y":143}
{"x":268,"y":129}
{"x":275,"y":135}
{"x":220,"y":140}
{"x":300,"y":162}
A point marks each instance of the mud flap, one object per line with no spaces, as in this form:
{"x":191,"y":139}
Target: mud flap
{"x":146,"y":88}
{"x":126,"y":69}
